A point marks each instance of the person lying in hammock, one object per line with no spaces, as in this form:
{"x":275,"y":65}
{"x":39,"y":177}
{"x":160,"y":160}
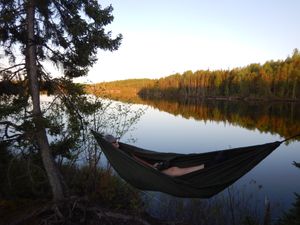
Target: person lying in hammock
{"x":171,"y":171}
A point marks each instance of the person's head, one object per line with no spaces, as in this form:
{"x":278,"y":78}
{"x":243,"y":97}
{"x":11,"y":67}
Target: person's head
{"x":111,"y":139}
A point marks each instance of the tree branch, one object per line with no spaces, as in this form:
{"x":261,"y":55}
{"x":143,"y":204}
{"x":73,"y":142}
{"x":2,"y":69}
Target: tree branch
{"x":11,"y":67}
{"x":119,"y":216}
{"x":8,"y":124}
{"x":64,"y":96}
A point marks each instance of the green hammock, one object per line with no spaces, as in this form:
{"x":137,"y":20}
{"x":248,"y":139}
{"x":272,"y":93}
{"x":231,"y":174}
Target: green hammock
{"x":202,"y":183}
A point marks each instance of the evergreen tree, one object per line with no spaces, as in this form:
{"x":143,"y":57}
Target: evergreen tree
{"x":66,"y":33}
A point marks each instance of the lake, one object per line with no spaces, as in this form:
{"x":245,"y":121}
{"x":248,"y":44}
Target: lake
{"x":195,"y":127}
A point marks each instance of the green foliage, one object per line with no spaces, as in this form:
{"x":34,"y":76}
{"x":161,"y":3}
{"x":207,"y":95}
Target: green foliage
{"x":66,"y":32}
{"x":278,"y":80}
{"x":119,"y":90}
{"x":22,"y":176}
{"x":98,"y":184}
{"x":101,"y":186}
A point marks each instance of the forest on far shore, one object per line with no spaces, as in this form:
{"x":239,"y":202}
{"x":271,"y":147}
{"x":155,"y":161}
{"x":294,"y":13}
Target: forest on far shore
{"x":274,"y":80}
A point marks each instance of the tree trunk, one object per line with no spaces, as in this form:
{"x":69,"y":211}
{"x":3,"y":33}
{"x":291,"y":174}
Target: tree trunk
{"x":40,"y":131}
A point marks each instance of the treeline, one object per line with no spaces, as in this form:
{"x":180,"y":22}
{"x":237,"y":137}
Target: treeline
{"x":272,"y":80}
{"x":125,"y":90}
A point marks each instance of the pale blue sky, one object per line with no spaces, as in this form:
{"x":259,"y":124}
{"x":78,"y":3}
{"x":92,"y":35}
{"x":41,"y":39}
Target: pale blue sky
{"x":162,"y":37}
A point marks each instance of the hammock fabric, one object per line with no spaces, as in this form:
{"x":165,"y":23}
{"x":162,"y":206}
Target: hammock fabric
{"x":202,"y":183}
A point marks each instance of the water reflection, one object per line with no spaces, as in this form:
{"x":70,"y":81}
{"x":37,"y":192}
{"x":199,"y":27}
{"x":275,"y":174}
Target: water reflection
{"x":192,"y":126}
{"x":271,"y":117}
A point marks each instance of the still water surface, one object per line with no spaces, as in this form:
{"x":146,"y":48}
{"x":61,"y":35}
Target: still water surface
{"x":275,"y":178}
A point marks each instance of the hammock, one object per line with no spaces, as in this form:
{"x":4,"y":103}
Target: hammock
{"x":202,"y":183}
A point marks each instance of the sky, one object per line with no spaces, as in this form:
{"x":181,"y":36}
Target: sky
{"x":163,"y":37}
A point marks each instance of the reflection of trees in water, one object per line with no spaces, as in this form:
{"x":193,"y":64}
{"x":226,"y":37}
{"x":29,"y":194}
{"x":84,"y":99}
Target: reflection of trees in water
{"x":273,"y":117}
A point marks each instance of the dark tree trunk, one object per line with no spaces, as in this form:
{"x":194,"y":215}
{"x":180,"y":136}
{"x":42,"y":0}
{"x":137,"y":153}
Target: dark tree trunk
{"x":40,"y":131}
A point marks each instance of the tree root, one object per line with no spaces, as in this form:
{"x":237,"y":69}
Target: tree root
{"x":75,"y":212}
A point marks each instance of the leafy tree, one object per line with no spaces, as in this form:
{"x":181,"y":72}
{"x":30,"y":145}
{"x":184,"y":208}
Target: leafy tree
{"x":66,"y":33}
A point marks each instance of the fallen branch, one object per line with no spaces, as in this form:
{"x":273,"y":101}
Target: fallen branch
{"x":120,"y":216}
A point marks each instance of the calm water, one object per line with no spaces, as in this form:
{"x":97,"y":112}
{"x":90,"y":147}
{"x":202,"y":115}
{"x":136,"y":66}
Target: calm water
{"x":274,"y":178}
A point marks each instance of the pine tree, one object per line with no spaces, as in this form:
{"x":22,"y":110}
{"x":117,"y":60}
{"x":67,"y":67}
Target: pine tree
{"x":66,"y":33}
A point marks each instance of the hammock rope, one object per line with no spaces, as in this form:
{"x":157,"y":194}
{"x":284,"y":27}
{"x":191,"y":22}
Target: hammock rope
{"x":289,"y":138}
